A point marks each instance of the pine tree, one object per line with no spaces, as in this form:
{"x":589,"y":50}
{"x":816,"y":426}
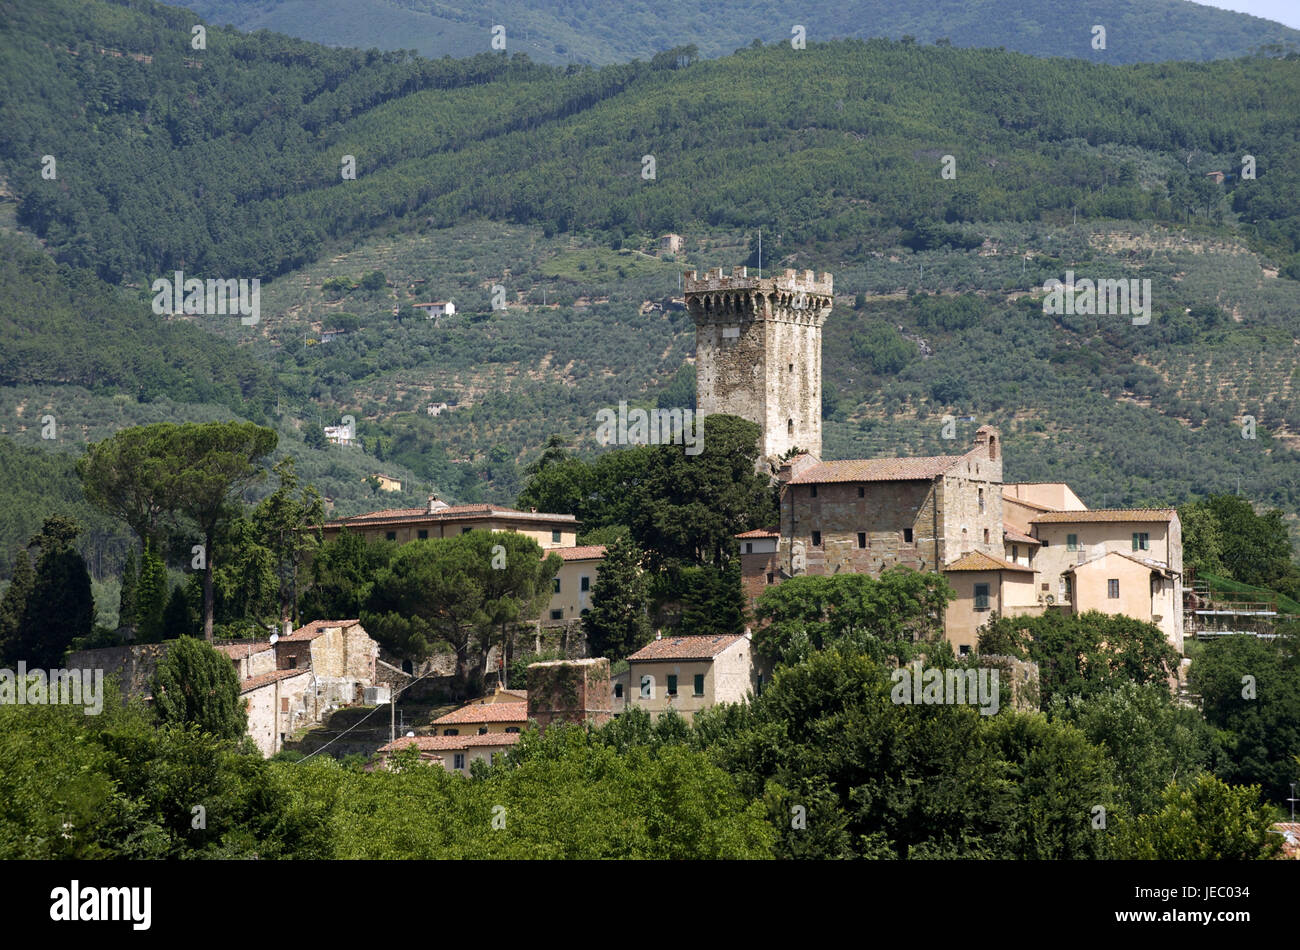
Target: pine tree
{"x":150,"y":597}
{"x":618,"y":623}
{"x":126,"y":603}
{"x":14,"y":605}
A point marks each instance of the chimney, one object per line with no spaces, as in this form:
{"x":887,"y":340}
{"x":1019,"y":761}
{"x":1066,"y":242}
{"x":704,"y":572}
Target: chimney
{"x":659,"y":634}
{"x":432,"y":501}
{"x":288,"y":626}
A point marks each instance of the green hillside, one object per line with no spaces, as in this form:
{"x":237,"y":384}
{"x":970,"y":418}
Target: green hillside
{"x":589,"y":31}
{"x":491,"y":173}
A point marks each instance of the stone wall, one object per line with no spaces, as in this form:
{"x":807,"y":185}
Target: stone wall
{"x":133,"y":665}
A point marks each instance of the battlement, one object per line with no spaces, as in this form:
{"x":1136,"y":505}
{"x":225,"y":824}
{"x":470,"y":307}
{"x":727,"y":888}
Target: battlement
{"x":791,"y":281}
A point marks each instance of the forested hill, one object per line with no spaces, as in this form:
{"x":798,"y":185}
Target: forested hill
{"x":228,"y":161}
{"x":495,"y":171}
{"x":609,"y":31}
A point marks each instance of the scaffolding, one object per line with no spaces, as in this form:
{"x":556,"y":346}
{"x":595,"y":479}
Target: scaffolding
{"x":1208,"y":615}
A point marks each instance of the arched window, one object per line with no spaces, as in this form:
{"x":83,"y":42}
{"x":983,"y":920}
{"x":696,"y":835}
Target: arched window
{"x":993,"y":448}
{"x":789,"y":427}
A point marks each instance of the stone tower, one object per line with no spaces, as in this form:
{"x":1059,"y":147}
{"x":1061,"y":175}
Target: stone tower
{"x":758,"y":352}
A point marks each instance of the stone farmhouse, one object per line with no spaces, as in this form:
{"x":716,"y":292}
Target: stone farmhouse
{"x":289,"y":685}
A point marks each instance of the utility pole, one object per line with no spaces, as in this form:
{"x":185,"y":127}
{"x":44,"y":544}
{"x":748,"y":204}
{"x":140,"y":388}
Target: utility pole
{"x":392,"y":714}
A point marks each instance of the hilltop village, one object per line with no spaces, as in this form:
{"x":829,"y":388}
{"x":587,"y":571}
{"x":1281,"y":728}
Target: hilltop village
{"x":1007,"y":549}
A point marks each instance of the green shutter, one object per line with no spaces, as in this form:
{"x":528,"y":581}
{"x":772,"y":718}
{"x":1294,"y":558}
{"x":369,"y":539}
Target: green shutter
{"x":672,"y":685}
{"x":699,"y":684}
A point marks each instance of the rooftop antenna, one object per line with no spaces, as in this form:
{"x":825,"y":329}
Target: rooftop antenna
{"x":1293,"y":800}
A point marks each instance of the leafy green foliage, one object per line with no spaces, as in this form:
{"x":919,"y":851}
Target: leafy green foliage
{"x":1080,"y":655}
{"x":195,"y":684}
{"x":447,"y":591}
{"x":882,"y":617}
{"x":1250,"y":692}
{"x":1204,"y":820}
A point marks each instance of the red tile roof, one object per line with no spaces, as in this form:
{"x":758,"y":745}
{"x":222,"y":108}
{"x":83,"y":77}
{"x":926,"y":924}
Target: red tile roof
{"x":979,"y":561}
{"x":1027,"y":504}
{"x":266,"y":679}
{"x":1120,"y":515}
{"x":583,"y":552}
{"x":759,"y":533}
{"x":451,"y":513}
{"x":876,"y":470}
{"x":1011,"y":534}
{"x":685,"y":648}
{"x":314,"y":629}
{"x":243,"y":649}
{"x":485,"y":712}
{"x":445,"y":743}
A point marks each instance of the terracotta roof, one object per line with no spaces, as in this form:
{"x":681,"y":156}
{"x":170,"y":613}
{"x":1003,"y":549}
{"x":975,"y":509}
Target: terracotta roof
{"x":1028,"y":504}
{"x":1011,"y":534}
{"x":1105,"y":514}
{"x":450,"y":513}
{"x":1152,"y":565}
{"x":759,"y":533}
{"x":979,"y":561}
{"x":314,"y":629}
{"x":876,"y":470}
{"x":685,"y":648}
{"x":243,"y":649}
{"x":583,"y":552}
{"x":485,"y":712}
{"x":266,"y":679}
{"x":445,"y":743}
{"x":521,"y":695}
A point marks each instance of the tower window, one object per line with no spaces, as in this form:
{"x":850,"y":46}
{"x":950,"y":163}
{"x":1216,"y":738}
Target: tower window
{"x":789,"y":427}
{"x":817,"y":539}
{"x":791,"y":368}
{"x":986,"y":535}
{"x":862,"y":492}
{"x":862,"y":539}
{"x":812,"y":491}
{"x":981,"y":501}
{"x":907,"y":535}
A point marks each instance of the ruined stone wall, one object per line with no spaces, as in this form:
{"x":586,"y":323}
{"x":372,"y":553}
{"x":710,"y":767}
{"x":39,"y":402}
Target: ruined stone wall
{"x":569,"y":691}
{"x":133,"y":665}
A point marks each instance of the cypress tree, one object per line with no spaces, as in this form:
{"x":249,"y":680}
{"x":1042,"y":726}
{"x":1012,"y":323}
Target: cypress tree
{"x":14,"y":605}
{"x":126,"y":603}
{"x":61,"y":607}
{"x":150,"y":596}
{"x":618,"y":623}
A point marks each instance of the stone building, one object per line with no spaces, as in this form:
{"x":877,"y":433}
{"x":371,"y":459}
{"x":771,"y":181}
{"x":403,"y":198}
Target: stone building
{"x":865,"y":516}
{"x":760,"y":566}
{"x":758,"y":352}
